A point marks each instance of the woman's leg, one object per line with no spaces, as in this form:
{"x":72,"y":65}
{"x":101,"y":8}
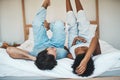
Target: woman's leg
{"x":68,"y":6}
{"x":83,"y":22}
{"x":71,"y":23}
{"x":19,"y":54}
{"x":78,"y":5}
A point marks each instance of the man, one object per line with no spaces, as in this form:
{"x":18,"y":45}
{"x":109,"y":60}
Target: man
{"x":79,"y":40}
{"x":47,"y":50}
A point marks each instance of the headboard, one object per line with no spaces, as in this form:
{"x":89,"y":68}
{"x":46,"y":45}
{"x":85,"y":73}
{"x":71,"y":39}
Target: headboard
{"x":27,"y":25}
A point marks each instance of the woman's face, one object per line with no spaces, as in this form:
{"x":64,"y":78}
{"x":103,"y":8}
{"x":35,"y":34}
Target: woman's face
{"x":81,"y":50}
{"x":52,"y":51}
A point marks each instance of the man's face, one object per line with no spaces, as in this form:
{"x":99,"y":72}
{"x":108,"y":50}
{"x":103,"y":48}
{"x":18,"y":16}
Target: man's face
{"x":52,"y":51}
{"x":81,"y":49}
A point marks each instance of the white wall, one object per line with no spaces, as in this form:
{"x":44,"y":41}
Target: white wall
{"x":57,"y":9}
{"x":11,"y":21}
{"x":0,"y":20}
{"x":110,"y":21}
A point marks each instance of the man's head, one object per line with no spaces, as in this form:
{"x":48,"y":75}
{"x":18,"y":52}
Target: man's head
{"x":90,"y":65}
{"x":46,"y":60}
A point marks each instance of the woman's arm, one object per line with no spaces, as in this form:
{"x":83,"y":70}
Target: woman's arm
{"x":82,"y":67}
{"x":78,"y":38}
{"x":92,"y":47}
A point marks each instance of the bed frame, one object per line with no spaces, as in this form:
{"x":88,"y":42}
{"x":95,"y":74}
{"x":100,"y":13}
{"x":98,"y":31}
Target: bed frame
{"x":26,"y":26}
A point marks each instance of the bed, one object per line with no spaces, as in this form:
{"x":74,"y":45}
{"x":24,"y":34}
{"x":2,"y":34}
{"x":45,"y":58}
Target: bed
{"x":107,"y":64}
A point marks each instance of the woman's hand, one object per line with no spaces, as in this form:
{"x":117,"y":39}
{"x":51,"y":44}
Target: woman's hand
{"x":78,"y":38}
{"x":82,"y":67}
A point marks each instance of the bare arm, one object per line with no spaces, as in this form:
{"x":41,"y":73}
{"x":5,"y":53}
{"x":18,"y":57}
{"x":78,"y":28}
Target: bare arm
{"x":17,"y":53}
{"x":92,"y":47}
{"x":82,"y":67}
{"x":78,"y":38}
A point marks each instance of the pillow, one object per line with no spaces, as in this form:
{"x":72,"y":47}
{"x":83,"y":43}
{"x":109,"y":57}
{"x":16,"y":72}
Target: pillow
{"x":31,"y":37}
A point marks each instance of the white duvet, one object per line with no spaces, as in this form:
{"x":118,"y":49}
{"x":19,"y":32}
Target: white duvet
{"x":108,"y":60}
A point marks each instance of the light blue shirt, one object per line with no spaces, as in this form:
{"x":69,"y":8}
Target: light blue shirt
{"x":41,"y":40}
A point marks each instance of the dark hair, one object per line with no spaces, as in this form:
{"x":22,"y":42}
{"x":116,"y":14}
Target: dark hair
{"x":90,"y":65}
{"x":45,"y":61}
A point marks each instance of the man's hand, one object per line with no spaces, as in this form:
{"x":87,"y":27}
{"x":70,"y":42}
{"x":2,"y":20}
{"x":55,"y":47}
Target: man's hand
{"x":82,"y":67}
{"x":78,"y":38}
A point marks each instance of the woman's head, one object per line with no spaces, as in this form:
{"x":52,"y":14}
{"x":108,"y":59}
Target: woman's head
{"x":46,"y":60}
{"x":81,"y":50}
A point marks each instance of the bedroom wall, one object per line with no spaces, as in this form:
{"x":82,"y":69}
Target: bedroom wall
{"x":56,"y":9}
{"x":11,"y":21}
{"x":110,"y":21}
{"x":0,"y":20}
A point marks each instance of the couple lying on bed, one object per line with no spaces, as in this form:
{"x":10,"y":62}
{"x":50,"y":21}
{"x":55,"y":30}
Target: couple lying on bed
{"x":45,"y":52}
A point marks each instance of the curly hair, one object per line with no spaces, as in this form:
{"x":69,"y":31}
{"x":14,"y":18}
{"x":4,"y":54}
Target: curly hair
{"x":45,"y":61}
{"x":90,"y":65}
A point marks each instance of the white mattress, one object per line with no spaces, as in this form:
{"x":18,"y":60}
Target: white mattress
{"x":108,"y":61}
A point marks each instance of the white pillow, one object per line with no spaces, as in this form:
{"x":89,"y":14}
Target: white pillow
{"x":31,"y":37}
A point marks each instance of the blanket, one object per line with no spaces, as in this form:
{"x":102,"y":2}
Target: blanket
{"x":103,"y":62}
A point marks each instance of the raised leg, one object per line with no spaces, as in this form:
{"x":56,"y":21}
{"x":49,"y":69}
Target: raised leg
{"x":68,"y":6}
{"x":83,"y":22}
{"x":71,"y":23}
{"x":78,"y":5}
{"x":39,"y":30}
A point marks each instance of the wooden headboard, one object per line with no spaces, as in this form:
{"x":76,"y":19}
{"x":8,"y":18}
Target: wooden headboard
{"x":26,"y":26}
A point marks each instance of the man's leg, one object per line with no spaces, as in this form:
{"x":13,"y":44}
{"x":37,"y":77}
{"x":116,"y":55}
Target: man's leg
{"x":39,"y":30}
{"x":83,"y":23}
{"x":19,"y":54}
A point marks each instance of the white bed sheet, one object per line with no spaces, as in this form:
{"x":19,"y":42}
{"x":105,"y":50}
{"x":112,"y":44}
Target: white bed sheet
{"x":108,"y":61}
